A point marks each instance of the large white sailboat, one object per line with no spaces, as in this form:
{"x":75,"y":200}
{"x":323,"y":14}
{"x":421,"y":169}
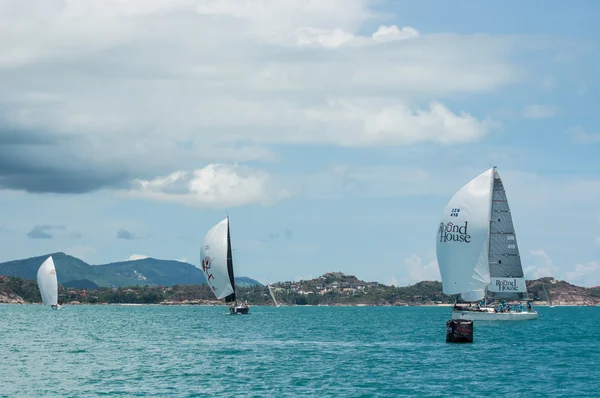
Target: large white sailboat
{"x":48,"y":284}
{"x":217,"y":265}
{"x":477,"y":252}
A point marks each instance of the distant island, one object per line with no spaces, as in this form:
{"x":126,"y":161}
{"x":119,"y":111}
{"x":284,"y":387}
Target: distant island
{"x":153,"y":281}
{"x":75,"y":273}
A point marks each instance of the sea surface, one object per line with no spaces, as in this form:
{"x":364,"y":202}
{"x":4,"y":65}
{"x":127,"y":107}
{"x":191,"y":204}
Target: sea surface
{"x":194,"y":351}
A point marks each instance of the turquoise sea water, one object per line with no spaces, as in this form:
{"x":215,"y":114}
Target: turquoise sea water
{"x":160,"y":351}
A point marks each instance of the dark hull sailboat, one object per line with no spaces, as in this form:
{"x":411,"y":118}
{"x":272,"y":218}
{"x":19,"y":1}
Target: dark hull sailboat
{"x":217,"y":266}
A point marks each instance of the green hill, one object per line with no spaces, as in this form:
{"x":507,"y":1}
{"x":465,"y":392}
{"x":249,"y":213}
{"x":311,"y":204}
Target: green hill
{"x":74,"y":272}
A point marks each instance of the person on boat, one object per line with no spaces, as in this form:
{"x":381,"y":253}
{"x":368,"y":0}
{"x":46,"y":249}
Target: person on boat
{"x":520,"y":306}
{"x":529,"y":306}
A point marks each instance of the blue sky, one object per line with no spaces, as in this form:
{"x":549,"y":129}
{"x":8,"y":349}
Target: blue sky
{"x":333,"y":132}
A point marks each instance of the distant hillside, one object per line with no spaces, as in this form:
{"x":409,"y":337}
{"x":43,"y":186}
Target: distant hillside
{"x":73,"y":272}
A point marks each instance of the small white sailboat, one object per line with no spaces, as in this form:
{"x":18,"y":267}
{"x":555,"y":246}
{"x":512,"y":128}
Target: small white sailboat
{"x":273,"y":296}
{"x":217,"y":265}
{"x":477,"y":251}
{"x":48,"y":284}
{"x":548,"y":297}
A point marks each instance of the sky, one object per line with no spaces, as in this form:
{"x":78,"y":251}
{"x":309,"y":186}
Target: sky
{"x":332,"y":132}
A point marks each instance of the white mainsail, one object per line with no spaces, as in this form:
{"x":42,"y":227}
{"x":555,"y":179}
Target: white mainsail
{"x":462,"y":243}
{"x":47,"y":282}
{"x":272,"y":295}
{"x":213,"y":259}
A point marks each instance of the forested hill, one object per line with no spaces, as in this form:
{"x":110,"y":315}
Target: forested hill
{"x":76,"y":273}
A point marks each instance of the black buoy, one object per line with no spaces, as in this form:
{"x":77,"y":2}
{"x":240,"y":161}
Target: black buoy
{"x":459,"y":331}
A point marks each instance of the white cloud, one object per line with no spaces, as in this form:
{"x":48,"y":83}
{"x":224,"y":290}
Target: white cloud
{"x":544,"y":266}
{"x":580,"y":136}
{"x":587,"y":274}
{"x":135,"y":257}
{"x":332,"y":38}
{"x":182,"y":260}
{"x":81,"y":252}
{"x":393,"y":281}
{"x":418,"y":271}
{"x":376,"y":122}
{"x":148,"y":88}
{"x":536,"y":111}
{"x":214,"y":186}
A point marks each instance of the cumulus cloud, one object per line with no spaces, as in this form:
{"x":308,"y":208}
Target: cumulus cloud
{"x":44,"y":231}
{"x":536,"y":111}
{"x":215,"y":186}
{"x":543,"y":266}
{"x":94,"y":97}
{"x":419,"y":271}
{"x":587,"y":274}
{"x":135,"y":257}
{"x":332,"y":38}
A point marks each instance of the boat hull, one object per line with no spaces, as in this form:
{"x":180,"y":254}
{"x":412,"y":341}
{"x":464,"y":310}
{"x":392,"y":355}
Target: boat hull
{"x":239,"y":310}
{"x":494,"y":316}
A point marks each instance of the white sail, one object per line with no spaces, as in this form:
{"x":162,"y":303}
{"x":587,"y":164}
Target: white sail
{"x":47,"y":282}
{"x":473,"y":295}
{"x":463,"y":237}
{"x":213,"y":260}
{"x":272,"y":295}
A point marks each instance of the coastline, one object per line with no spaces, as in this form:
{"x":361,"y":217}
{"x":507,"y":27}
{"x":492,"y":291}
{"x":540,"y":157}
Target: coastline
{"x":213,"y":304}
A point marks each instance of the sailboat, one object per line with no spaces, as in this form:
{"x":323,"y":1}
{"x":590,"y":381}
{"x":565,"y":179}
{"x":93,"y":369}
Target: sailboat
{"x":217,"y":266}
{"x":477,"y":251}
{"x":273,"y":296}
{"x":48,"y":284}
{"x":548,"y":297}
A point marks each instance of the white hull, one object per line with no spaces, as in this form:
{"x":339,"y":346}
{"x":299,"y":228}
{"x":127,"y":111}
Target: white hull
{"x":494,"y":316}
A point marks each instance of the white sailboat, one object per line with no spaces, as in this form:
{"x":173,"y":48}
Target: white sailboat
{"x":217,"y":266}
{"x":548,"y":297}
{"x":477,"y":251}
{"x":48,"y":284}
{"x":273,"y":296}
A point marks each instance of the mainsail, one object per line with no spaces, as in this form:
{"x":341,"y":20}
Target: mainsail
{"x":462,"y":243}
{"x":506,"y":271}
{"x":216,"y":262}
{"x":47,"y":282}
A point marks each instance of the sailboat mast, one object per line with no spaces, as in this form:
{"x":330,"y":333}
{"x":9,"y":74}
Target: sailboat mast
{"x":490,"y":227}
{"x":232,"y":296}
